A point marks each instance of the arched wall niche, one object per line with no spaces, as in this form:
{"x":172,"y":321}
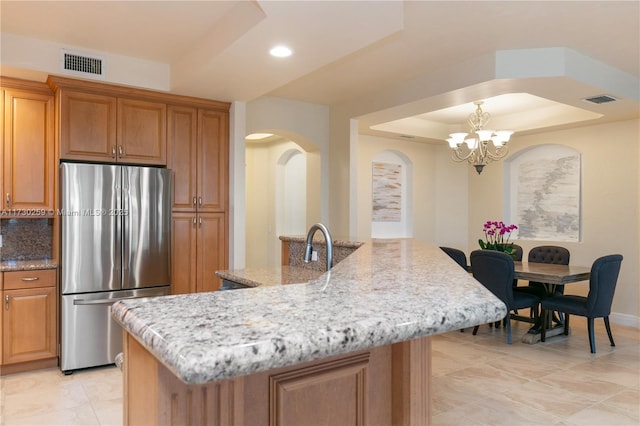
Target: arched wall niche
{"x":542,"y":192}
{"x":391,"y":195}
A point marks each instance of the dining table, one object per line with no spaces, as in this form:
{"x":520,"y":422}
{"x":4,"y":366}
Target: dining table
{"x":551,"y":275}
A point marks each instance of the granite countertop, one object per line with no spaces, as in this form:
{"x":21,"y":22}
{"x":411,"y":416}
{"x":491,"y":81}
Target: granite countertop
{"x":255,"y":277}
{"x":387,"y":291}
{"x":27,"y":265}
{"x":318,"y":238}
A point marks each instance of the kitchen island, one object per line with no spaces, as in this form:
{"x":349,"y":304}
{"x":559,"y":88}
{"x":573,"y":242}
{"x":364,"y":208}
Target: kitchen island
{"x":349,"y":347}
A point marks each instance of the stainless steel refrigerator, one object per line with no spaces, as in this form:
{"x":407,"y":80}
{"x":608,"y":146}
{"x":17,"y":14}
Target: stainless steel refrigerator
{"x":116,"y":234}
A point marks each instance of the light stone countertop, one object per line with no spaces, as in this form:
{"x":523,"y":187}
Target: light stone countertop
{"x":386,"y":292}
{"x":265,"y":277}
{"x":318,"y":238}
{"x":27,"y":265}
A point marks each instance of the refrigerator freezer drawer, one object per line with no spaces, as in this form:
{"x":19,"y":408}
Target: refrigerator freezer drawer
{"x":90,"y":337}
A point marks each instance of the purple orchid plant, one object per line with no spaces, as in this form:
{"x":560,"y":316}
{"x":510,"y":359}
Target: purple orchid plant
{"x":497,"y":236}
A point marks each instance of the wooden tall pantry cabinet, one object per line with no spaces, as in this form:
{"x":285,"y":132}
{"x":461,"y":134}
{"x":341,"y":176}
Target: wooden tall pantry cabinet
{"x":106,"y":123}
{"x":199,"y":155}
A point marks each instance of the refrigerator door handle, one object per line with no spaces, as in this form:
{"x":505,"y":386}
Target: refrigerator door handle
{"x":123,"y":226}
{"x":104,"y":301}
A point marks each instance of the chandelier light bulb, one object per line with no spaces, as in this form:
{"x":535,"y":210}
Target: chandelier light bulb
{"x":497,"y":141}
{"x":484,"y":135}
{"x":472,"y":143}
{"x":458,"y":138}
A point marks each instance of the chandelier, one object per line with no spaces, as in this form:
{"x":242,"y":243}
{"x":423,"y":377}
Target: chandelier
{"x":483,"y":146}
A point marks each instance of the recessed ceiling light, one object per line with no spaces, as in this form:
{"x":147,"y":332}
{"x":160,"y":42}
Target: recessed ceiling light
{"x":258,"y":136}
{"x":281,"y":51}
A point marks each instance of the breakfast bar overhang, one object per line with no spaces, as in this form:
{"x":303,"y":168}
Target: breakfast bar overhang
{"x":350,"y":347}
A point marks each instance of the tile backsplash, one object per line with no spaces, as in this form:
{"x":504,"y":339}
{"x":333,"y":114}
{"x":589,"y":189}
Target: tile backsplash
{"x":26,"y":239}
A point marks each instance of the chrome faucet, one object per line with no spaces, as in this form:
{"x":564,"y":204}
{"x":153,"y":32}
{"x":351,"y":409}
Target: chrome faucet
{"x":328,"y":240}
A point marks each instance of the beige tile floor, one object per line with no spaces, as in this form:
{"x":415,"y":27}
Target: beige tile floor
{"x":477,"y":380}
{"x":481,"y":380}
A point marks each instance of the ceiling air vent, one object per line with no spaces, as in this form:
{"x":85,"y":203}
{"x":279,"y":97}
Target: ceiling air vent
{"x":601,"y":99}
{"x":82,"y":64}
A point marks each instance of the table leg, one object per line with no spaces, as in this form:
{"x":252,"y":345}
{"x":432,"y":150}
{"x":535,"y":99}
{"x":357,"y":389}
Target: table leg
{"x":533,"y":335}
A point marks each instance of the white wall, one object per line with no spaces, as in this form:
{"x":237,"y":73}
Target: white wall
{"x":610,"y":209}
{"x":308,"y":126}
{"x":42,"y":58}
{"x":262,"y":192}
{"x":439,"y":195}
{"x":453,"y":201}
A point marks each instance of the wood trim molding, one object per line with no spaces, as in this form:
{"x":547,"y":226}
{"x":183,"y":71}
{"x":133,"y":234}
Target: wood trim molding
{"x":411,"y":394}
{"x":56,"y":83}
{"x":31,"y":86}
{"x":28,"y":366}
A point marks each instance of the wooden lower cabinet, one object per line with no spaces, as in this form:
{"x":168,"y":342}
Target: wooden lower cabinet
{"x":387,"y":385}
{"x":29,"y":321}
{"x":198,"y":248}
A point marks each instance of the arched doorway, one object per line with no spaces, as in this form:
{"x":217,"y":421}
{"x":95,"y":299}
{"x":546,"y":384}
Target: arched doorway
{"x":278,"y":192}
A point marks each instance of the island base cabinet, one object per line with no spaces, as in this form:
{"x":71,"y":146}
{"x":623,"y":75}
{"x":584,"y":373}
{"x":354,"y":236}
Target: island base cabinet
{"x":386,"y":385}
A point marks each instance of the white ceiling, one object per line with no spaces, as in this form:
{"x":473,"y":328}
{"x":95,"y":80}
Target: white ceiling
{"x":346,"y":51}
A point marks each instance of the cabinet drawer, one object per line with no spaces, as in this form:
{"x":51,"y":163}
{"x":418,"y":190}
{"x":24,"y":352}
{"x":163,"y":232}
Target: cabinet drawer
{"x":29,"y":279}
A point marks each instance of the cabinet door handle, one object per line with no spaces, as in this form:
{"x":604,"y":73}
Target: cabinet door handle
{"x":200,"y":201}
{"x":194,"y":201}
{"x":8,"y":199}
{"x":30,"y":278}
{"x":6,"y":302}
{"x":113,"y":151}
{"x":200,"y":220}
{"x":194,"y":221}
{"x":121,"y":151}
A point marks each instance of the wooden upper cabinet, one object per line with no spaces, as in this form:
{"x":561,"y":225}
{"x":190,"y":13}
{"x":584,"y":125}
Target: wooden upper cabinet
{"x":108,"y":123}
{"x":87,"y":126}
{"x":213,"y":160}
{"x":28,"y":164}
{"x":182,"y":156}
{"x":142,"y":132}
{"x":199,"y":157}
{"x":96,"y":127}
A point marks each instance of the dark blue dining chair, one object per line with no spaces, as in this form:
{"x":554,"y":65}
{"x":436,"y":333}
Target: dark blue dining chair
{"x":546,"y":254}
{"x":597,"y":304}
{"x":495,"y":271}
{"x":457,"y":255}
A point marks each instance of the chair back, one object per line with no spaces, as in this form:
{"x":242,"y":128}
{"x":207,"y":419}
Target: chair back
{"x":517,"y":253}
{"x":495,"y":271}
{"x":457,"y":255}
{"x":549,"y":254}
{"x":602,"y":285}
